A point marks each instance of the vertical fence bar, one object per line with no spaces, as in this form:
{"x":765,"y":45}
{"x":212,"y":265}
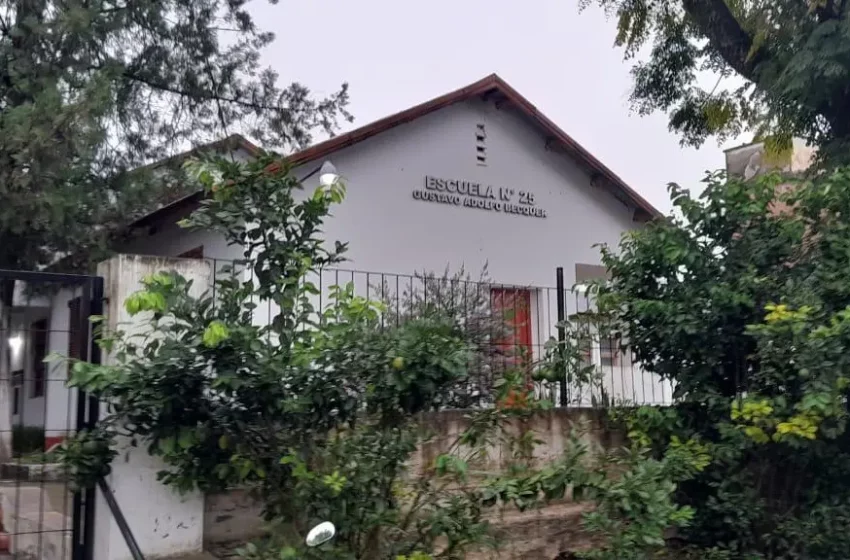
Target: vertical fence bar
{"x":39,"y":375}
{"x":78,"y":527}
{"x":89,"y":496}
{"x":562,"y":332}
{"x":26,"y":388}
{"x":94,"y":307}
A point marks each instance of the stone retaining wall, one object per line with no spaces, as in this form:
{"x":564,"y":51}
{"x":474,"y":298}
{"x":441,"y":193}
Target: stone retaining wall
{"x":532,"y":535}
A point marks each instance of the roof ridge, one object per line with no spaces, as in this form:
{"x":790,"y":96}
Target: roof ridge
{"x":480,"y":87}
{"x":488,"y":83}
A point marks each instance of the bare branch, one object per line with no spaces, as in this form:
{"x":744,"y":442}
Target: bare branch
{"x":196,"y":94}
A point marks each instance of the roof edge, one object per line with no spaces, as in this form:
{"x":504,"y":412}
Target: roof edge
{"x":483,"y":86}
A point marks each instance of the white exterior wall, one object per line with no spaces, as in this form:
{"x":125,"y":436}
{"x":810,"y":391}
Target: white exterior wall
{"x":62,"y":401}
{"x":54,"y":411}
{"x":389,"y":231}
{"x":31,"y":410}
{"x":171,"y":240}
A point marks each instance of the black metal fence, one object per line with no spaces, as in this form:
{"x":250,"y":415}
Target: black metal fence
{"x":43,"y":314}
{"x":512,"y":328}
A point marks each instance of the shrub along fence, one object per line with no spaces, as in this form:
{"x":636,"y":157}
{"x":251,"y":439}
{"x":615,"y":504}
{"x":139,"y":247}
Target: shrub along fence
{"x":511,"y":328}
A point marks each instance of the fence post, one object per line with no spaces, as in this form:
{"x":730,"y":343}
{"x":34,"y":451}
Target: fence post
{"x":93,"y":307}
{"x":82,"y":519}
{"x":562,"y":332}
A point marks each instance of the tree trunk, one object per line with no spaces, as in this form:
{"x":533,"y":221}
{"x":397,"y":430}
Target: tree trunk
{"x":7,"y":289}
{"x":717,"y":22}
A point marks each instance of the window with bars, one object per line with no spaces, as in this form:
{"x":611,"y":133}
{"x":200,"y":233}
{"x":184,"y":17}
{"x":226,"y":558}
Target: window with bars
{"x":597,"y":350}
{"x":609,"y":351}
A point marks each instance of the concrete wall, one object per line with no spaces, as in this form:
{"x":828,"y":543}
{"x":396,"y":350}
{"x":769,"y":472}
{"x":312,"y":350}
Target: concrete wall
{"x":231,"y":517}
{"x":234,"y":517}
{"x":553,"y":427}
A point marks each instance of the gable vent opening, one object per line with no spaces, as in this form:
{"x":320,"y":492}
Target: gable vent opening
{"x":481,"y":144}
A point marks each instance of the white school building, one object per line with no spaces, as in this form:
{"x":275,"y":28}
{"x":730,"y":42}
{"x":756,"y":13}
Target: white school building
{"x":475,"y":177}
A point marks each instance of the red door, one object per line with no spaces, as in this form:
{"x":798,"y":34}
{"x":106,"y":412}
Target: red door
{"x":514,"y":304}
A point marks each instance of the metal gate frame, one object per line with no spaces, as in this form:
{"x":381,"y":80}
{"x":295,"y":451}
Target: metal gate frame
{"x":88,"y":407}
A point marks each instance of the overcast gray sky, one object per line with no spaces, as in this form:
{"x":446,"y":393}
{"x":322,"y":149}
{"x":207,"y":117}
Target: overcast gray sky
{"x":395,"y":54}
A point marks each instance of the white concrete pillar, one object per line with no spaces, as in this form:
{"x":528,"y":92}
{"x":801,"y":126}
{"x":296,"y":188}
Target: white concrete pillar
{"x":163,"y":522}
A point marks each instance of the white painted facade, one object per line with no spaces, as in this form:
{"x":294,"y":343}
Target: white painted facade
{"x":60,"y":412}
{"x":28,"y":397}
{"x":391,"y":230}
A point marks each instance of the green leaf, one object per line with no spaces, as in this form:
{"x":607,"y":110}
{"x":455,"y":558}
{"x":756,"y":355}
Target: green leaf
{"x":187,"y":438}
{"x":215,"y":333}
{"x":167,"y":445}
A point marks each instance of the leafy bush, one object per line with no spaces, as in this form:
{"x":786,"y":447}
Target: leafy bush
{"x":741,"y":299}
{"x":316,"y":410}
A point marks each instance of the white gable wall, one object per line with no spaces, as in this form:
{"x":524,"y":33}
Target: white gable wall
{"x":171,"y":240}
{"x":389,"y":231}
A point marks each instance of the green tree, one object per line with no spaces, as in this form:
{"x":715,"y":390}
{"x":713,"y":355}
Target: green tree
{"x":90,"y":91}
{"x":466,"y":300}
{"x":786,"y":63}
{"x":314,"y":410}
{"x":322,"y":422}
{"x":744,"y":305}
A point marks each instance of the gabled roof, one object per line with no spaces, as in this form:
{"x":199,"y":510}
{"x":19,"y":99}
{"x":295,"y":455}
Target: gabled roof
{"x":492,"y":87}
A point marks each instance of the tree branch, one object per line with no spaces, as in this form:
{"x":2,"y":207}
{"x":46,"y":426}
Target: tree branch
{"x":716,"y":21}
{"x":220,"y":109}
{"x":200,"y":95}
